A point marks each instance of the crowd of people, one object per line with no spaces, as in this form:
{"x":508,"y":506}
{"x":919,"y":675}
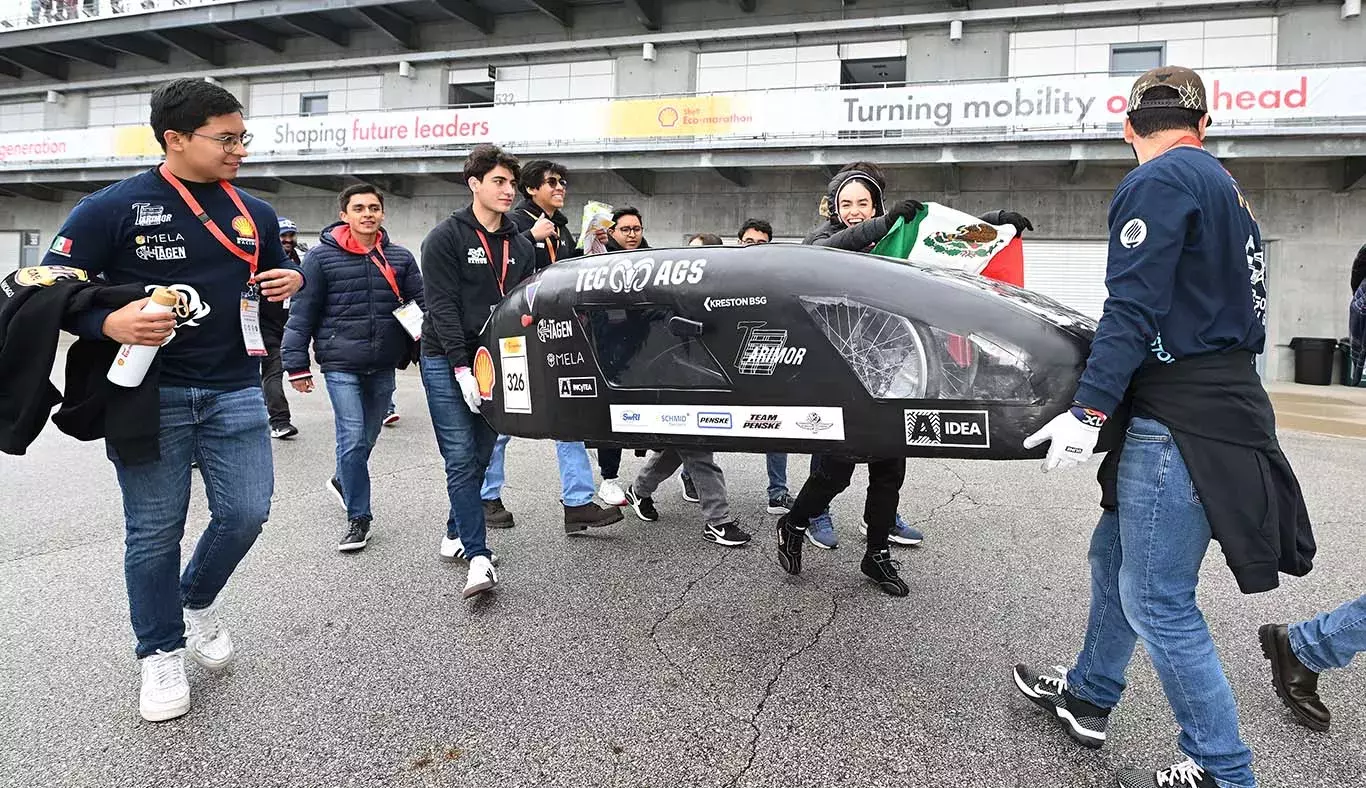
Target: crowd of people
{"x":1170,"y":369}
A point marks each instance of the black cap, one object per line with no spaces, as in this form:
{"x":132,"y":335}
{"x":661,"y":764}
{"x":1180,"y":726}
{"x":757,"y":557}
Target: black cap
{"x":1190,"y":90}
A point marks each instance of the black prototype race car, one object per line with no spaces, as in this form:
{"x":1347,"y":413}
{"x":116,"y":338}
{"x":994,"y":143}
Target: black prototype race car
{"x":781,"y":348}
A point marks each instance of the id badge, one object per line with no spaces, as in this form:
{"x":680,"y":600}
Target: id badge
{"x":250,"y":313}
{"x":410,"y":317}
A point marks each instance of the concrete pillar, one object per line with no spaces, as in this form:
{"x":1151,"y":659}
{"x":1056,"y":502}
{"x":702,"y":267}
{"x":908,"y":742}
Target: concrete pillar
{"x":981,"y":54}
{"x":425,"y":86}
{"x":674,"y":70}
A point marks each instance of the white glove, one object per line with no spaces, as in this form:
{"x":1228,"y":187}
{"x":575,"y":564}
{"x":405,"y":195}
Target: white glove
{"x":469,"y":387}
{"x":1071,"y":440}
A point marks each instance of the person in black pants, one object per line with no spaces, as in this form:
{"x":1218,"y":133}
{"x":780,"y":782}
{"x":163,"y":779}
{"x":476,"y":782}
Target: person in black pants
{"x":273,"y":319}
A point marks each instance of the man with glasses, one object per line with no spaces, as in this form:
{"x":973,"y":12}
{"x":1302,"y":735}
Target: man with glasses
{"x":538,"y":216}
{"x":755,"y":232}
{"x":184,"y":227}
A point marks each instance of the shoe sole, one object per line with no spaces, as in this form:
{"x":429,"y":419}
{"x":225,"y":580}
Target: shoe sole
{"x":449,"y":559}
{"x":635,"y":507}
{"x":814,"y":543}
{"x":336,"y":494}
{"x":390,"y":421}
{"x":1087,"y":739}
{"x":778,"y":510}
{"x":623,"y":502}
{"x":164,"y":713}
{"x":890,"y":589}
{"x":284,"y":436}
{"x":477,"y":589}
{"x":1265,"y":635}
{"x":714,"y":539}
{"x":893,"y":538}
{"x":351,"y":547}
{"x":499,"y":523}
{"x":209,"y":664}
{"x":580,"y":527}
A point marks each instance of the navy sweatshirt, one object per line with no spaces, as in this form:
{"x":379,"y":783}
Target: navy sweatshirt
{"x":139,"y":231}
{"x":1185,"y":273}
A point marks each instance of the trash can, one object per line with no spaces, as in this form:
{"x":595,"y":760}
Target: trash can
{"x":1314,"y":360}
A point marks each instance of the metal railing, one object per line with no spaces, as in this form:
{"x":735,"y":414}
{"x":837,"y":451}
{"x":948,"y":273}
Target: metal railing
{"x":44,"y":13}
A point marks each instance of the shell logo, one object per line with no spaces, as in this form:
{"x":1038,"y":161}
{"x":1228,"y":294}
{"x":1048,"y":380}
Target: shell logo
{"x":483,"y":372}
{"x":242,"y":226}
{"x":668,"y":117}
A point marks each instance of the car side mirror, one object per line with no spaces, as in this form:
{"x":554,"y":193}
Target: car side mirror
{"x":684,"y":328}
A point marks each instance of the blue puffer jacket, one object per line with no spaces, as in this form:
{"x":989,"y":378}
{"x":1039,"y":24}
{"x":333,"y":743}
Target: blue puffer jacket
{"x":346,"y":310}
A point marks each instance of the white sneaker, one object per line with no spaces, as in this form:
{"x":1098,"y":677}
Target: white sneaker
{"x":481,"y":578}
{"x":165,"y":690}
{"x":611,"y":493}
{"x":206,"y":639}
{"x":454,"y":550}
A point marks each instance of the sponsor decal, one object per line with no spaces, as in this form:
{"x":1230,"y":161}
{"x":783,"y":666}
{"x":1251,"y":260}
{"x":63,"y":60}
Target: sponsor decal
{"x":158,"y":238}
{"x":476,"y":256}
{"x":968,"y":429}
{"x":714,"y":420}
{"x":531,"y":291}
{"x":527,"y":320}
{"x":756,"y":422}
{"x":726,"y":303}
{"x":4,"y":287}
{"x":242,"y":226}
{"x":633,"y":276}
{"x":60,"y":245}
{"x":162,"y":253}
{"x":483,"y":372}
{"x":547,"y":330}
{"x":763,"y":349}
{"x":814,"y":423}
{"x":1256,"y":266}
{"x":762,"y":421}
{"x":578,"y":387}
{"x":1134,"y":233}
{"x":515,"y":377}
{"x":189,"y":309}
{"x":573,"y":358}
{"x":149,"y":215}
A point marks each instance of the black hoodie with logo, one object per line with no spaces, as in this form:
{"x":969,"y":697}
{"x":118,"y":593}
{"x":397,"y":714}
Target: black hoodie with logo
{"x":462,"y":284}
{"x":550,"y":250}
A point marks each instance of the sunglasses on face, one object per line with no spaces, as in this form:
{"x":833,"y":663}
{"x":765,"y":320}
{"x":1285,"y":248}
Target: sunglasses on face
{"x":555,"y":182}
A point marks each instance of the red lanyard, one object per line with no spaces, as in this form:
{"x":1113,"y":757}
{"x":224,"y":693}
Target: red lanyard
{"x":550,"y":242}
{"x":250,"y":258}
{"x":386,"y":270}
{"x":488,"y":253}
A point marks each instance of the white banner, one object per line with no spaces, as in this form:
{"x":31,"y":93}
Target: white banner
{"x":737,"y":421}
{"x":1035,"y":106}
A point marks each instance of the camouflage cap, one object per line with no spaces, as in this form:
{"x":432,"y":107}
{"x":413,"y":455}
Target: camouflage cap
{"x":1190,"y":89}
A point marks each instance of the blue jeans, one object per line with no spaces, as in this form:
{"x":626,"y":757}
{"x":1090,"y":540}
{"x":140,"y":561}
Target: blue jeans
{"x":1331,"y":640}
{"x":466,"y":444}
{"x":228,"y":434}
{"x":576,"y":472}
{"x":359,"y":405}
{"x":777,"y":475}
{"x":1145,"y":563}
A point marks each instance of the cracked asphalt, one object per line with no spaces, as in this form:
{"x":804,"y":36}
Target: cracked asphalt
{"x":637,"y":655}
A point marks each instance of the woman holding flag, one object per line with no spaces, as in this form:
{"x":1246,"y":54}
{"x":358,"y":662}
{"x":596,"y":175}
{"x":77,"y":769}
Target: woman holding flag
{"x":857,"y":220}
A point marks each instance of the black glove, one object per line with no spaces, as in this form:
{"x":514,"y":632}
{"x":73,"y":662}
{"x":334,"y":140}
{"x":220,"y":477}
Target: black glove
{"x":1016,"y":220}
{"x":906,"y":209}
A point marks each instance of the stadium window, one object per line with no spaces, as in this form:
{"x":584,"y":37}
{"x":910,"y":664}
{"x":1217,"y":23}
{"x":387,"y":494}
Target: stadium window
{"x":471,"y":94}
{"x":873,"y":72}
{"x":313,"y":104}
{"x":1136,"y":58}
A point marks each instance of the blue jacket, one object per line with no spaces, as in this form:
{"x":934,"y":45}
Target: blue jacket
{"x":347,"y":309}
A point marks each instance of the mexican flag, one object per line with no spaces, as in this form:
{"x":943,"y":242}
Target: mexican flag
{"x":940,"y":235}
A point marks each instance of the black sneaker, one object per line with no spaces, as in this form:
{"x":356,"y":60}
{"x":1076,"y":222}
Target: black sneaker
{"x":882,"y":568}
{"x":643,"y":507}
{"x":590,"y":515}
{"x":334,"y":484}
{"x":790,"y":546}
{"x":495,"y":516}
{"x":1185,"y":774}
{"x":357,"y":535}
{"x":781,"y":505}
{"x":1082,"y":721}
{"x":727,"y":534}
{"x":284,"y":431}
{"x":689,"y":489}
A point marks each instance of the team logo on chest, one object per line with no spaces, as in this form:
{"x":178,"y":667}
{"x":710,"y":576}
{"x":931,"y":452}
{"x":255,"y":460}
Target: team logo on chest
{"x":476,"y":257}
{"x":148,"y":215}
{"x":246,"y":234}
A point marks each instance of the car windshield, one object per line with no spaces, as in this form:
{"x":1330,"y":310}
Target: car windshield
{"x":636,"y":348}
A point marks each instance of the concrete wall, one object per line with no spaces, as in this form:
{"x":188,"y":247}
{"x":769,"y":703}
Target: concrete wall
{"x":983,"y":53}
{"x":1314,"y":233}
{"x":1319,"y":34}
{"x":673,"y":71}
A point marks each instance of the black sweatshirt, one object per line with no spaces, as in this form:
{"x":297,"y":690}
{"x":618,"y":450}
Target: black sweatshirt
{"x":525,"y":215}
{"x":462,"y":283}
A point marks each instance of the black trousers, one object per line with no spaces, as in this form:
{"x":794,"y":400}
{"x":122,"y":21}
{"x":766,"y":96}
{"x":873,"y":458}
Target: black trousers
{"x":830,"y":476}
{"x":273,"y":375}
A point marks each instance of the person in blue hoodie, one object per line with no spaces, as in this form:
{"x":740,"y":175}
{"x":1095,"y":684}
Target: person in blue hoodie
{"x":362,"y":314}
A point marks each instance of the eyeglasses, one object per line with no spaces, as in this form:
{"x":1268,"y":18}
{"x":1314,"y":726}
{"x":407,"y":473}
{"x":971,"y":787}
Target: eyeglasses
{"x":556,"y":182}
{"x":228,"y":141}
{"x":630,"y":230}
{"x":752,"y":241}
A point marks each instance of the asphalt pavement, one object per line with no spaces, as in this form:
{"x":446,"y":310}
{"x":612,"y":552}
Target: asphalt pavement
{"x":637,"y":655}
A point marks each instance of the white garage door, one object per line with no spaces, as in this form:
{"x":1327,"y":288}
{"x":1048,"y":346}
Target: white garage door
{"x":11,"y":250}
{"x":1072,"y":272}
